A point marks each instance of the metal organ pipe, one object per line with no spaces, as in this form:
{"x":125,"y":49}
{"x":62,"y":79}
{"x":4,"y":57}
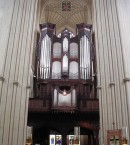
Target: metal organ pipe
{"x":48,"y":49}
{"x":73,"y":97}
{"x":88,"y":58}
{"x":55,"y":99}
{"x":84,"y":58}
{"x":40,"y":62}
{"x":48,"y":43}
{"x":49,"y":56}
{"x":87,"y":55}
{"x":45,"y":58}
{"x":81,"y":63}
{"x":42,"y":59}
{"x":80,"y":59}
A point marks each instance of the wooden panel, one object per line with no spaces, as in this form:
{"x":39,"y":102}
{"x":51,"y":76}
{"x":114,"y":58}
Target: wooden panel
{"x":90,"y":105}
{"x":37,"y":105}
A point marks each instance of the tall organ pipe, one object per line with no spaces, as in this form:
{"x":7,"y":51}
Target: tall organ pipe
{"x":49,"y":55}
{"x":80,"y":59}
{"x":88,"y":46}
{"x":87,"y":56}
{"x":40,"y":62}
{"x":84,"y":58}
{"x":45,"y":58}
{"x":47,"y":49}
{"x":73,"y":97}
{"x":42,"y":59}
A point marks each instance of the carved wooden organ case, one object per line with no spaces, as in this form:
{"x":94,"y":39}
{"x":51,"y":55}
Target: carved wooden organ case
{"x":65,"y":67}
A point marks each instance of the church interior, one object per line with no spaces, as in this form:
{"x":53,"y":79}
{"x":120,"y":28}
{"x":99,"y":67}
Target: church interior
{"x":65,"y":72}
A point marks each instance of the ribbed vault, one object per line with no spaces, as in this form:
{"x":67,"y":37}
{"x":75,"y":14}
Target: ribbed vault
{"x":80,"y":12}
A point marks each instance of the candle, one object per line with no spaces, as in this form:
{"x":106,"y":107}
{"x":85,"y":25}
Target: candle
{"x":124,"y":132}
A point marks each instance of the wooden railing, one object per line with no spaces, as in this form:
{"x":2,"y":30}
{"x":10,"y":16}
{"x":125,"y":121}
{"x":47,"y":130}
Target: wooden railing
{"x":40,"y":105}
{"x":89,"y":105}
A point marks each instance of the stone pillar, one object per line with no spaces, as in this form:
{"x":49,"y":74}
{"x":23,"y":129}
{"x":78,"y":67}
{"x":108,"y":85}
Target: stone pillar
{"x":123,"y":11}
{"x":17,"y":27}
{"x":111,"y":26}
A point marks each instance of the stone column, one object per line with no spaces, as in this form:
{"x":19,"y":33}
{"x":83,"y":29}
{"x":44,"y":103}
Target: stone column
{"x":17,"y":25}
{"x":123,"y":11}
{"x":111,"y":22}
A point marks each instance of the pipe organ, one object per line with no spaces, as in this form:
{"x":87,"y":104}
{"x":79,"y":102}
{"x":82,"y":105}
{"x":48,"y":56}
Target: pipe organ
{"x":65,"y":65}
{"x":64,"y":86}
{"x":84,"y":58}
{"x":45,"y":57}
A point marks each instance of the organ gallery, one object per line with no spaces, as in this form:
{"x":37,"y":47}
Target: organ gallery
{"x":65,"y":82}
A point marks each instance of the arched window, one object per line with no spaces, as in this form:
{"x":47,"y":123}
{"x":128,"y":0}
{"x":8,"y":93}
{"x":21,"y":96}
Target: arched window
{"x":74,"y":50}
{"x":57,"y":50}
{"x":56,"y":70}
{"x":73,"y":73}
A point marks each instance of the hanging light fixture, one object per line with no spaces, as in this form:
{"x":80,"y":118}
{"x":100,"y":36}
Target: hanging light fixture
{"x":64,"y":92}
{"x":64,"y":89}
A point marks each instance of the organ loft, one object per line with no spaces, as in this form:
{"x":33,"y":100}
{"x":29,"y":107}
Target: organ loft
{"x":64,"y":85}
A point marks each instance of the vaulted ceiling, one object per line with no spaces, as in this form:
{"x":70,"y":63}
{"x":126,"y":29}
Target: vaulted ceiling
{"x":52,"y":11}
